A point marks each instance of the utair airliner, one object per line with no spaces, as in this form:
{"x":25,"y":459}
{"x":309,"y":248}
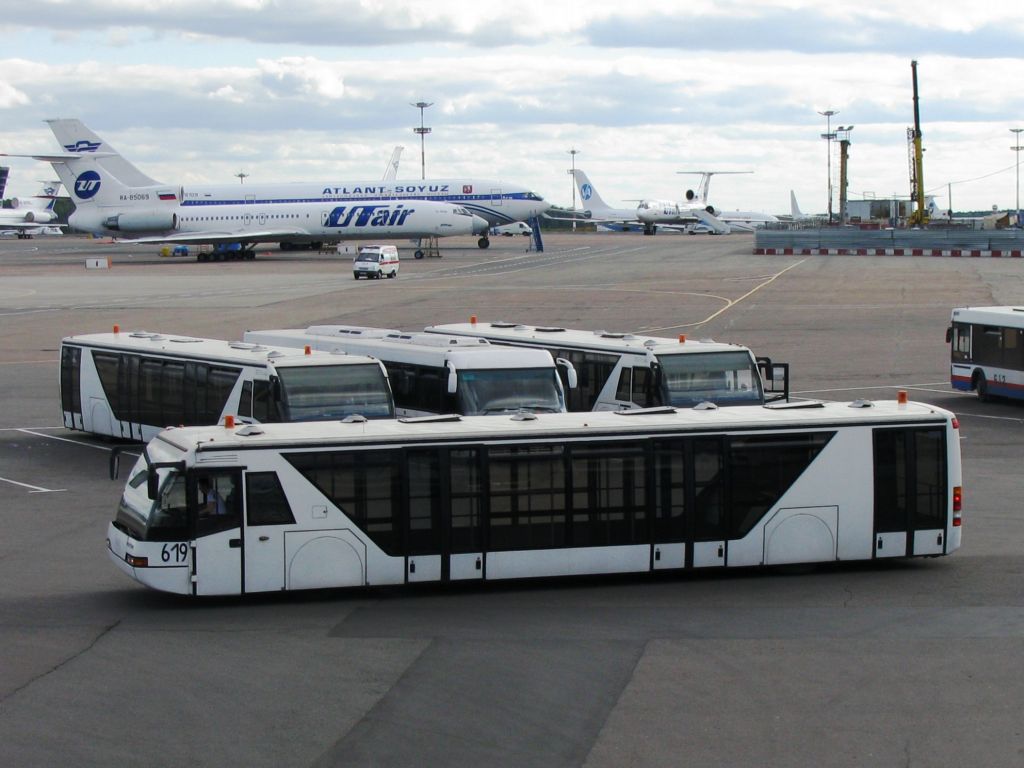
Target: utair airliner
{"x":650,"y":214}
{"x":114,"y":198}
{"x":494,"y":202}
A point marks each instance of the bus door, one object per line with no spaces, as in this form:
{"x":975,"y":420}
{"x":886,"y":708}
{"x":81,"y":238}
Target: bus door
{"x":215,"y":508}
{"x":443,"y":530}
{"x":268,"y":515}
{"x":690,"y":524}
{"x":911,"y":494}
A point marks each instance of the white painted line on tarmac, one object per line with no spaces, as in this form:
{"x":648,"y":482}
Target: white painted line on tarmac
{"x":34,"y":488}
{"x":73,"y":442}
{"x":731,"y":304}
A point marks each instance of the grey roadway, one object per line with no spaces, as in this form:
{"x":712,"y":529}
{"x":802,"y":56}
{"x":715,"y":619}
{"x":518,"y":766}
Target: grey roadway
{"x":914,"y":663}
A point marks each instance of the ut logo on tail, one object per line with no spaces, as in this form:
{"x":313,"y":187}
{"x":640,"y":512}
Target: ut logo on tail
{"x":87,"y":185}
{"x":586,"y":191}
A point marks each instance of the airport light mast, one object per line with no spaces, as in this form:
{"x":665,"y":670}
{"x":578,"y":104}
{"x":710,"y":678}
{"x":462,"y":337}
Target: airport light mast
{"x":1017,"y":148}
{"x":920,"y":215}
{"x":422,"y":131}
{"x":572,"y":172}
{"x":828,"y":136}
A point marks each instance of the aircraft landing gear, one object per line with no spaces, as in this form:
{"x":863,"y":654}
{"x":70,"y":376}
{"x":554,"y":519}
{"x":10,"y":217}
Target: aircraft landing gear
{"x":650,"y":229}
{"x":483,"y":242}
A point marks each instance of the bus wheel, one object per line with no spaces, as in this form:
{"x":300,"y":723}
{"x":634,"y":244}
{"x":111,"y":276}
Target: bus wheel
{"x":981,"y":386}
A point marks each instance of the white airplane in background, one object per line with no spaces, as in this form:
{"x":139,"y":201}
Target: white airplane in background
{"x":746,"y":221}
{"x":650,"y":214}
{"x":145,"y":211}
{"x":495,"y":202}
{"x":33,"y":215}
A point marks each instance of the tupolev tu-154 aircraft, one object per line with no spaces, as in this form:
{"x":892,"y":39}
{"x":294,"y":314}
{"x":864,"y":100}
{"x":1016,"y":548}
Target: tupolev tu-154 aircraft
{"x":284,"y":212}
{"x":33,"y":215}
{"x":113,"y":198}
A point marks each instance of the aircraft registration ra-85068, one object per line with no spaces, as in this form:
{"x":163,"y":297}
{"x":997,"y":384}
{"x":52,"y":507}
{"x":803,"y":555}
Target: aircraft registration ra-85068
{"x":32,"y":215}
{"x":492,"y":202}
{"x":113,"y":198}
{"x":649,"y":214}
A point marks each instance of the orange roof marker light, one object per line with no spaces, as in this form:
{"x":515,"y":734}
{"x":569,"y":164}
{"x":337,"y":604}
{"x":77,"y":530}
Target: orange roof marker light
{"x":682,"y":338}
{"x":472,"y":319}
{"x":117,"y":329}
{"x":901,"y":397}
{"x":307,"y":349}
{"x":229,"y":422}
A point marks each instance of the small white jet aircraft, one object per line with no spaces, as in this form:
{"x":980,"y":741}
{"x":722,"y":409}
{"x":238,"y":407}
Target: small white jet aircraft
{"x":746,"y":221}
{"x":495,"y":202}
{"x":33,"y":215}
{"x":146,"y":211}
{"x":650,"y":214}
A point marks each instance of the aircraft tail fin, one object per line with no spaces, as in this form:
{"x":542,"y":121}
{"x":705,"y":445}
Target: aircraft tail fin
{"x":794,"y":209}
{"x":391,"y":172}
{"x":589,"y":198}
{"x":76,"y":138}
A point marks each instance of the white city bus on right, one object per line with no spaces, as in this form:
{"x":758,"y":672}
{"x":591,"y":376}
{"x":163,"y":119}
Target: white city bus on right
{"x":987,"y":351}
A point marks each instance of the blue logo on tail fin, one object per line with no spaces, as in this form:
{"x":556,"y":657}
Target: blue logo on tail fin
{"x":83,"y":145}
{"x":87,"y":185}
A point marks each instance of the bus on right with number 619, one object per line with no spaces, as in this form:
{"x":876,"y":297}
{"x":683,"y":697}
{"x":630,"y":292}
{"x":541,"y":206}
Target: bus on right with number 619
{"x":987,"y":351}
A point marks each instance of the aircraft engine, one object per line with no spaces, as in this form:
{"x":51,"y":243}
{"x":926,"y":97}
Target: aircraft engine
{"x":142,"y":221}
{"x":691,"y":195}
{"x":712,"y":210}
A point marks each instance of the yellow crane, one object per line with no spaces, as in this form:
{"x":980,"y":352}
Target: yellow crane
{"x":919,"y":216}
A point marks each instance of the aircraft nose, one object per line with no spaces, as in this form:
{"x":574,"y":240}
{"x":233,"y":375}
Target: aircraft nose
{"x":480,"y":225}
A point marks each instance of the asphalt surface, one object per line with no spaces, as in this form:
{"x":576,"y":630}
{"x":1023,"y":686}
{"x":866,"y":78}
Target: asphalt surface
{"x":916,"y":663}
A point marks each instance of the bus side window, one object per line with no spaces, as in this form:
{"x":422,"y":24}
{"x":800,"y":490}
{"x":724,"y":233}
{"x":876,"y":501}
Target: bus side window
{"x":245,"y":401}
{"x":218,"y":502}
{"x":644,"y":391}
{"x":624,"y":391}
{"x":265,"y":502}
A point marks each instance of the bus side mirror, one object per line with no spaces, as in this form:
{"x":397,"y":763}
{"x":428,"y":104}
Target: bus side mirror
{"x":949,"y":334}
{"x":453,"y":381}
{"x":570,"y":372}
{"x":275,"y":389}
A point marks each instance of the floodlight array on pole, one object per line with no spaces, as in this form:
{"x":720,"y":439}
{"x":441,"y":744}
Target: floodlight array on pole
{"x":422,"y":131}
{"x":1017,"y":148}
{"x":241,"y":175}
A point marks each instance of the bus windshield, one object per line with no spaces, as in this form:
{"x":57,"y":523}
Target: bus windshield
{"x":165,"y":519}
{"x":325,"y":392}
{"x":720,"y":377}
{"x":490,"y":391}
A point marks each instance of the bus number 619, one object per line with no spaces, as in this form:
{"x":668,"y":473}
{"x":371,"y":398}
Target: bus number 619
{"x":178,"y":551}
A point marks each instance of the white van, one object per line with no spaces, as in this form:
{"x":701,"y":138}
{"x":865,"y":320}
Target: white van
{"x":376,"y":261}
{"x":515,"y":228}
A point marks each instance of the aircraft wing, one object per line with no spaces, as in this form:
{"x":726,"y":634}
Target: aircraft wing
{"x":214,"y":237}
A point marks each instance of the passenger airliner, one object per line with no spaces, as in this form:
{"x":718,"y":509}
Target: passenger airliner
{"x":742,"y":220}
{"x":495,"y":202}
{"x":650,"y":214}
{"x":33,"y":215}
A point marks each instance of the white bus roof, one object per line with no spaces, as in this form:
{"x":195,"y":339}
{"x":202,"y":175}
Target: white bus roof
{"x":420,"y":348}
{"x":213,"y":350}
{"x":605,"y":341}
{"x":554,"y":426}
{"x":1008,"y":316}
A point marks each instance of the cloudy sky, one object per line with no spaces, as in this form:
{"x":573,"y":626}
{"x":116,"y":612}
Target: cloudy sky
{"x":320,"y":91}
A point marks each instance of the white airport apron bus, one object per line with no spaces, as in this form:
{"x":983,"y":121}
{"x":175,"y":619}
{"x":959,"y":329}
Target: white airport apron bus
{"x":353,"y":503}
{"x":432,"y":374}
{"x":623,"y":370}
{"x":131,"y":385}
{"x":987,"y":351}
